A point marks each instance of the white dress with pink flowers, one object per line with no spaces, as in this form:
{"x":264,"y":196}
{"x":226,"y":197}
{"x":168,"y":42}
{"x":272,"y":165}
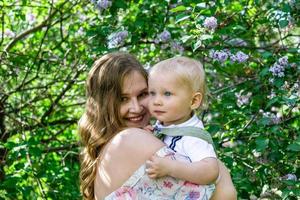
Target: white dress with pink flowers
{"x":140,"y":187}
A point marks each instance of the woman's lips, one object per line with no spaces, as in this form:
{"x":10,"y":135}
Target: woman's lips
{"x":135,"y":119}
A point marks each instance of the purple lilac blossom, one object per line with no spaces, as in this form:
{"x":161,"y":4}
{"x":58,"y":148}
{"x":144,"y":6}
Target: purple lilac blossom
{"x":210,"y":23}
{"x":117,"y":38}
{"x":177,"y":47}
{"x":283,"y":61}
{"x":291,"y":177}
{"x":30,"y":18}
{"x":278,"y":67}
{"x":103,"y":4}
{"x":164,"y":36}
{"x":9,"y":33}
{"x":220,"y":56}
{"x":241,"y":56}
{"x":242,"y":99}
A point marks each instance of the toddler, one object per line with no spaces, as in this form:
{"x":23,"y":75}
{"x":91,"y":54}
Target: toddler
{"x":176,"y":90}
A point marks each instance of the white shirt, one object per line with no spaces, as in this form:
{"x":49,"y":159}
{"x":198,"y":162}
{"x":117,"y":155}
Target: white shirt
{"x":195,"y":148}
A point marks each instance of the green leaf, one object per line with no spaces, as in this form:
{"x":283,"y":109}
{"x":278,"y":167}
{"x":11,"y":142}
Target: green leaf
{"x":271,"y":102}
{"x":197,"y":45}
{"x":261,"y":143}
{"x":205,"y":37}
{"x":179,"y":8}
{"x":266,"y":54}
{"x":264,"y":72}
{"x":294,"y":147}
{"x":283,"y":23}
{"x":181,"y":17}
{"x":185,"y":38}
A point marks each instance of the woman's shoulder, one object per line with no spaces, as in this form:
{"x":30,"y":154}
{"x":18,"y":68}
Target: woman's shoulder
{"x":135,"y":140}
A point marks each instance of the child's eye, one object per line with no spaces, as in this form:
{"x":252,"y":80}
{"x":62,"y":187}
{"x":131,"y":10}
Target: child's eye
{"x":167,"y":93}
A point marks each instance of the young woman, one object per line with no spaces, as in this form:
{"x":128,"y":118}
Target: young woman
{"x":115,"y":148}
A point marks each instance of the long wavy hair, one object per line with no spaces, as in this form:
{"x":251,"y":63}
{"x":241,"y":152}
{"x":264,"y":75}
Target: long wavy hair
{"x":101,"y":120}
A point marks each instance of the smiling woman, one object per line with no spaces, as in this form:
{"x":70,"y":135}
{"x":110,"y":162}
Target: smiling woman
{"x":134,"y":105}
{"x":110,"y":131}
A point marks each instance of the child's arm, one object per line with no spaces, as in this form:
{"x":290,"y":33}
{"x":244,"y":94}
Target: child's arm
{"x":202,"y":172}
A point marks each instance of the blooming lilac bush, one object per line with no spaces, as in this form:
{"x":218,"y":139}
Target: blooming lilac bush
{"x":117,"y":38}
{"x":210,"y":23}
{"x":252,"y":75}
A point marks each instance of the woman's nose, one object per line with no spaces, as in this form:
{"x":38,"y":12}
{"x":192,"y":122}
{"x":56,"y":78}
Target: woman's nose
{"x":136,"y":106}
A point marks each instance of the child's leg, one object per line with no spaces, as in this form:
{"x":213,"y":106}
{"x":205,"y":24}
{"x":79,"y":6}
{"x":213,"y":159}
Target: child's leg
{"x":224,"y":189}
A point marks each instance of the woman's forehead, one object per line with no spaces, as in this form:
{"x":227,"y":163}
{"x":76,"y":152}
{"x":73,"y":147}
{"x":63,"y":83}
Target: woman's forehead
{"x":134,"y":82}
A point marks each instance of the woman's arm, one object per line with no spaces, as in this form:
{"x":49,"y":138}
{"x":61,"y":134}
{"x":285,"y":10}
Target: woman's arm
{"x":225,"y":189}
{"x":202,"y":172}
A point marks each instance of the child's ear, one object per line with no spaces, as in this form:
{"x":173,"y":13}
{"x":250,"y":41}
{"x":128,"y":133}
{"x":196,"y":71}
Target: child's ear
{"x":196,"y":100}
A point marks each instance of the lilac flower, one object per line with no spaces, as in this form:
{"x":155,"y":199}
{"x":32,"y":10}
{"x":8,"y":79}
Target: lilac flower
{"x":220,"y":56}
{"x":177,"y":47}
{"x":80,"y":32}
{"x":9,"y":33}
{"x":210,"y":23}
{"x":241,"y":57}
{"x":290,"y":177}
{"x":277,"y":70}
{"x":242,"y":99}
{"x":283,"y":61}
{"x":117,"y":38}
{"x":164,"y":36}
{"x":272,"y":95}
{"x":30,"y":18}
{"x":101,"y":4}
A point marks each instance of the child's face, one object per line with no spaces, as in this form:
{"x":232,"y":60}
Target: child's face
{"x":169,"y":100}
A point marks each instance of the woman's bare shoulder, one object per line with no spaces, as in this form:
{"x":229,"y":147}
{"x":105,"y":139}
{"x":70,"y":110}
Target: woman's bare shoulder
{"x":136,"y":140}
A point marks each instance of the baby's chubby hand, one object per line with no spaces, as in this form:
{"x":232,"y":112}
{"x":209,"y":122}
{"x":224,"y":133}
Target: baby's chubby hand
{"x":157,"y":167}
{"x":149,"y":128}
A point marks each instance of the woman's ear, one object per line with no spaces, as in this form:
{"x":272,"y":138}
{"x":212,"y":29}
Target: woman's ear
{"x":196,"y":100}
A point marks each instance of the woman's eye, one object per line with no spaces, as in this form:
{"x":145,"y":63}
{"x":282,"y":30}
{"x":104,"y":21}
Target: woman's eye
{"x":152,"y":93}
{"x":124,"y":99}
{"x":144,"y":94}
{"x":167,"y":93}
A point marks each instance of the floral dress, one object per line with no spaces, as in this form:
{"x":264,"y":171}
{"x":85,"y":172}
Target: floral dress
{"x":140,"y":187}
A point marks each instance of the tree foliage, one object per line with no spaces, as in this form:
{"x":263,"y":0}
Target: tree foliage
{"x":250,"y":51}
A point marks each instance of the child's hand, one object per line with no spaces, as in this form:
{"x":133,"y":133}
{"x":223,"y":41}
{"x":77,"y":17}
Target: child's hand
{"x":149,"y":128}
{"x":157,"y":167}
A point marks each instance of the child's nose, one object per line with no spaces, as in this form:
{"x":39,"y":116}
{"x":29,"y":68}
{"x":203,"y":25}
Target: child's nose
{"x":157,"y":101}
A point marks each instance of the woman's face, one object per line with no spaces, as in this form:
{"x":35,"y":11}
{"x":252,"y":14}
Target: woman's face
{"x":134,"y":100}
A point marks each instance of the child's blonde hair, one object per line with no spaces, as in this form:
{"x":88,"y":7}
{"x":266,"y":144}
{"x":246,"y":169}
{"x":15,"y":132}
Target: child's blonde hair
{"x":187,"y":70}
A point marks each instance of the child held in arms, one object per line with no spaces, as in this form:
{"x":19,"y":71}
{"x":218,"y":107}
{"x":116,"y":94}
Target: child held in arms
{"x":176,"y":91}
